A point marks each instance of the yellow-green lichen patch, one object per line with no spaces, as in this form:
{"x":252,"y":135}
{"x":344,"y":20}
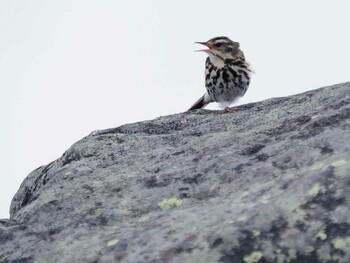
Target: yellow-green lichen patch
{"x":3,"y":259}
{"x":292,"y":254}
{"x":339,"y":243}
{"x":184,"y":121}
{"x":264,"y":199}
{"x":317,"y":166}
{"x":253,"y":257}
{"x":170,"y":203}
{"x":244,"y":194}
{"x":336,"y":258}
{"x":230,"y":126}
{"x":322,"y":166}
{"x":278,"y":250}
{"x":256,"y":232}
{"x":314,"y":190}
{"x":341,"y":167}
{"x":242,"y":218}
{"x":324,"y":254}
{"x":321,"y":235}
{"x":112,"y":242}
{"x":309,"y":249}
{"x":338,"y":163}
{"x":144,"y":218}
{"x":231,"y":222}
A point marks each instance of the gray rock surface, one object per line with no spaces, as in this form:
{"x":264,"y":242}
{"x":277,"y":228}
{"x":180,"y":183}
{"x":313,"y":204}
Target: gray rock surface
{"x":268,"y":183}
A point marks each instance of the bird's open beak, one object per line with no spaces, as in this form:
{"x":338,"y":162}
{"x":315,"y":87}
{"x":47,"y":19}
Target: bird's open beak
{"x":205,"y":44}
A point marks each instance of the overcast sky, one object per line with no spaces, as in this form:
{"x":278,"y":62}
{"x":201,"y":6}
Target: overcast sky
{"x":69,"y":67}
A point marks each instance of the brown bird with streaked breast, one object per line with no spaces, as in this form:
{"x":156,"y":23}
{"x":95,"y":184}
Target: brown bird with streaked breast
{"x":227,"y":74}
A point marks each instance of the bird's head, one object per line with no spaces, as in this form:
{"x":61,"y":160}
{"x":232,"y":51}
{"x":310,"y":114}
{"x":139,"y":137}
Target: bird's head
{"x":221,"y":47}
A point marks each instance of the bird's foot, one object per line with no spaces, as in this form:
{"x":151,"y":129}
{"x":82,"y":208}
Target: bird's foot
{"x":229,"y":109}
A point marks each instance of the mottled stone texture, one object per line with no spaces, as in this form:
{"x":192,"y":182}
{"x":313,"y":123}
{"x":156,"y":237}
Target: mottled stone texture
{"x":268,"y":183}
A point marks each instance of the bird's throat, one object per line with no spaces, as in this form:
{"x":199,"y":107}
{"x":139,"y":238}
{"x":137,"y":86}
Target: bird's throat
{"x":217,"y":60}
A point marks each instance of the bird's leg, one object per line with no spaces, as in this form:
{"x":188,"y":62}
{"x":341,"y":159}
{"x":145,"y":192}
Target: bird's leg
{"x":229,"y":109}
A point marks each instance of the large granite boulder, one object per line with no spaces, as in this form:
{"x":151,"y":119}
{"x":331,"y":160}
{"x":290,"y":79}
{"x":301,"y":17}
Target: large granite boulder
{"x":267,"y":183}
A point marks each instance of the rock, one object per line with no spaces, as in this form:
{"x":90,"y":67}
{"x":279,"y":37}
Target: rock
{"x":268,"y":183}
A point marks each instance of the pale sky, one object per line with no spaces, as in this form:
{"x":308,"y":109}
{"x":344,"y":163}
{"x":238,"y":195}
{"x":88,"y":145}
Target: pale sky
{"x":69,"y":67}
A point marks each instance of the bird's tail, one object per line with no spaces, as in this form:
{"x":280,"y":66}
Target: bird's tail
{"x":199,"y":104}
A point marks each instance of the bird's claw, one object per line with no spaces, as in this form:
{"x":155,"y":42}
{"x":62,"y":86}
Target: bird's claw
{"x":229,"y":109}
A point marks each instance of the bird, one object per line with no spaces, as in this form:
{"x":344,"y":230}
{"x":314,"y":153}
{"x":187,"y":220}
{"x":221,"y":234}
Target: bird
{"x":227,"y":73}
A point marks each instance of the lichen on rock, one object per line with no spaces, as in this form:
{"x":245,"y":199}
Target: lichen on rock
{"x":267,"y":183}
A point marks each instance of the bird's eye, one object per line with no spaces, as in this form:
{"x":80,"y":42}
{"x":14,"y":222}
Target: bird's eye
{"x":217,"y":44}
